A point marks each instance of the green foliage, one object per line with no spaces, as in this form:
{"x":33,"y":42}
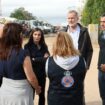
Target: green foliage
{"x":21,"y":14}
{"x":92,"y":11}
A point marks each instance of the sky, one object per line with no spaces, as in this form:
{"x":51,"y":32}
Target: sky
{"x":53,"y":11}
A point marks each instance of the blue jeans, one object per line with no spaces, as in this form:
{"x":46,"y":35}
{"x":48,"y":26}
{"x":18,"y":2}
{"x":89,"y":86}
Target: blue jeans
{"x":101,"y":81}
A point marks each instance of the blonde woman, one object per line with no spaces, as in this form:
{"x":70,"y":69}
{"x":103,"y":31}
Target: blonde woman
{"x":66,"y":72}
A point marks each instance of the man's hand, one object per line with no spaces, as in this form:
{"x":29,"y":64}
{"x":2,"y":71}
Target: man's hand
{"x":103,"y":67}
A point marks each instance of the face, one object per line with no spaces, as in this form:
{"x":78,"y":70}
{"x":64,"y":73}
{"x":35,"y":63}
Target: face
{"x":72,"y":19}
{"x":102,"y":23}
{"x":1,"y":30}
{"x":37,"y":36}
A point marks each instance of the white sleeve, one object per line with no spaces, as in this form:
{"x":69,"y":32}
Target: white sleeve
{"x":46,"y":67}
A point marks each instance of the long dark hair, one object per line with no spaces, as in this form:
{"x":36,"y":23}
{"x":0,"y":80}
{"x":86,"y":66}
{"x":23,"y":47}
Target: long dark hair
{"x":11,"y":38}
{"x":42,"y":40}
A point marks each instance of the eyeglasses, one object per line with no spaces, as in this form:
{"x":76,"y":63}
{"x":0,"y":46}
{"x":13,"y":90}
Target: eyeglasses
{"x":102,"y":21}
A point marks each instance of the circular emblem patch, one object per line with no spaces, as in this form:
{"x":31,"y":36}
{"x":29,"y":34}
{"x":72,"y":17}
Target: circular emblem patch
{"x":67,"y":81}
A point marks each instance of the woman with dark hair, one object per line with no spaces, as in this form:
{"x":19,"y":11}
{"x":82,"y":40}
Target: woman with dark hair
{"x":39,"y":53}
{"x":16,"y":69}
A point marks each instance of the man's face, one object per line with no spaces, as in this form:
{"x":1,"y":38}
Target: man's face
{"x":102,"y":23}
{"x":1,"y":30}
{"x":72,"y":19}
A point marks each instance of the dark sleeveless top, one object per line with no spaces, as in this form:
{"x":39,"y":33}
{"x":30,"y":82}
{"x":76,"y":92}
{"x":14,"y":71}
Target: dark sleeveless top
{"x":66,"y":88}
{"x":13,"y":67}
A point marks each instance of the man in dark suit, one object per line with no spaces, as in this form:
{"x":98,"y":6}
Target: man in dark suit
{"x":101,"y":59}
{"x":80,"y":36}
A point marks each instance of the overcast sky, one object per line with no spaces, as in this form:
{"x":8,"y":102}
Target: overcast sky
{"x":54,"y":11}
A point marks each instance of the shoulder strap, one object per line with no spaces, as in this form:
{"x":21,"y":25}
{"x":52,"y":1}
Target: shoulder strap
{"x":46,"y":67}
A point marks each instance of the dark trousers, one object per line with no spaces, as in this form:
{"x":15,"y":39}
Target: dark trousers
{"x":0,"y":81}
{"x":103,"y":101}
{"x":101,"y":81}
{"x":55,"y":98}
{"x":42,"y":82}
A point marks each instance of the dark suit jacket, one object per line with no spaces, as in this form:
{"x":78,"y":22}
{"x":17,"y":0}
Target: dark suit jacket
{"x":85,"y":45}
{"x":101,"y":42}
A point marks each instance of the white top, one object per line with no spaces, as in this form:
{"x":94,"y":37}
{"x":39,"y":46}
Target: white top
{"x":75,"y":36}
{"x":104,"y":35}
{"x":16,"y":92}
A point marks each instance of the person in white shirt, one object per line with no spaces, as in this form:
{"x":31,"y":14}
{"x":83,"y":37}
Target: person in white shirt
{"x":80,"y":36}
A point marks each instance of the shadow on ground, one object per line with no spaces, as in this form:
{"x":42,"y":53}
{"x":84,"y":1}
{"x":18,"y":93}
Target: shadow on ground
{"x":94,"y":103}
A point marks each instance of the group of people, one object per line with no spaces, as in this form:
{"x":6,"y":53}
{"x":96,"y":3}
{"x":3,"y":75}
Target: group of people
{"x":23,"y":71}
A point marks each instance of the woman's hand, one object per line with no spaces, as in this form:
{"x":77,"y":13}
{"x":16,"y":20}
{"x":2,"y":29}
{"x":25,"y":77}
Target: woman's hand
{"x":46,"y":55}
{"x":38,"y":90}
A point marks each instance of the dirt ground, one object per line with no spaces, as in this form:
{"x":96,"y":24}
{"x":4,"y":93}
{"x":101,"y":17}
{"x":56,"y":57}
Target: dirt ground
{"x":91,"y":81}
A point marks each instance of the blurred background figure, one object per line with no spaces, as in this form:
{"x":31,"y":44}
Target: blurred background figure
{"x":26,"y":30}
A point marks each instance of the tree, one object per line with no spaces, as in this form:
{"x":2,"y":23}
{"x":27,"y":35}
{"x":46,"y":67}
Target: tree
{"x":92,"y":11}
{"x":22,"y":14}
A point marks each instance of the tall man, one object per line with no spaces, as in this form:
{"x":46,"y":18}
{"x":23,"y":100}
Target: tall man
{"x":101,"y":59}
{"x":80,"y":36}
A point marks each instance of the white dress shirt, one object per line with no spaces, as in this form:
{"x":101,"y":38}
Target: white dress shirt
{"x":75,"y":36}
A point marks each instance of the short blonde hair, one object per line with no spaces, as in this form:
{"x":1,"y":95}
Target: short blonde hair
{"x":63,"y":45}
